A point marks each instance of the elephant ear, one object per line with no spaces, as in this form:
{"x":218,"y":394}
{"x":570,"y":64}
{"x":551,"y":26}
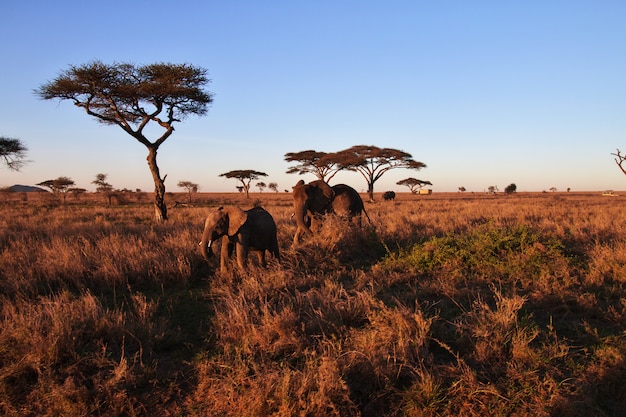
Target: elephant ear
{"x":321,"y":197}
{"x":236,"y":218}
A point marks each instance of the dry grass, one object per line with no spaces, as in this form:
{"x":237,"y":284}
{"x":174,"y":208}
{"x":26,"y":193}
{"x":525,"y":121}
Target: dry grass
{"x":444,"y":305}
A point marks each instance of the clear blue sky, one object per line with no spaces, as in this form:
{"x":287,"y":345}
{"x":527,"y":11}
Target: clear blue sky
{"x":484,"y":92}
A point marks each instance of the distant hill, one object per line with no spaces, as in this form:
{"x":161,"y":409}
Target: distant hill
{"x":26,"y":189}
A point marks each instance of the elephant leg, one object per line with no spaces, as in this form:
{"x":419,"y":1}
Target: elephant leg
{"x":296,"y":236}
{"x":261,"y":257}
{"x":225,"y":252}
{"x":242,"y":254}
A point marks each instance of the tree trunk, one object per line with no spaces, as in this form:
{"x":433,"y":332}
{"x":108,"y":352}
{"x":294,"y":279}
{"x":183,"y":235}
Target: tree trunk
{"x":160,"y":209}
{"x":370,"y":190}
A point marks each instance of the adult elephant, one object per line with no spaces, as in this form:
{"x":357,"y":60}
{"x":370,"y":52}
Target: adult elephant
{"x":317,"y":198}
{"x":251,"y":230}
{"x":389,"y":195}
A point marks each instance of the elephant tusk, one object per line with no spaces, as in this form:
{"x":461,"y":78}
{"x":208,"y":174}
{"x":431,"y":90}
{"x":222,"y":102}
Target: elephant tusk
{"x":210,"y":243}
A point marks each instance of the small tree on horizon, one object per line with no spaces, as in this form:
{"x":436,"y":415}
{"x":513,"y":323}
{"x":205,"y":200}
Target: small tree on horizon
{"x":261,"y":185}
{"x":133,"y":97}
{"x":60,"y":185}
{"x":103,"y":187}
{"x":190,"y":187}
{"x":414,"y":184}
{"x":273,"y":186}
{"x":244,"y":176}
{"x":13,"y":153}
{"x":510,"y":189}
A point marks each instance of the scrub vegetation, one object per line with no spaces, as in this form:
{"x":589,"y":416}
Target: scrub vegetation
{"x":448,"y":304}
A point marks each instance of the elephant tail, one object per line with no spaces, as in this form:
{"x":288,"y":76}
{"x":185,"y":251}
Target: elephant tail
{"x":367,"y":215}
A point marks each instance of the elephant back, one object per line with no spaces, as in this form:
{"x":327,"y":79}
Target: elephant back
{"x":347,"y":200}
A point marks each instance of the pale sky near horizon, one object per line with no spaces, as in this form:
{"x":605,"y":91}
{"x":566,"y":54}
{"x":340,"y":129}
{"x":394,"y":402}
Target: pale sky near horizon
{"x":483,"y":92}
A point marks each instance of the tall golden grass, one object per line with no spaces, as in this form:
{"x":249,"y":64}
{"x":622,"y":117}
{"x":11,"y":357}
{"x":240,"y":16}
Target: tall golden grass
{"x":444,"y":305}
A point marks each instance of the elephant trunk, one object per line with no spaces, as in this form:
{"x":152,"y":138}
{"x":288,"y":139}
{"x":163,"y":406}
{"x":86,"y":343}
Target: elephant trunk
{"x":300,"y":212}
{"x":206,"y":243}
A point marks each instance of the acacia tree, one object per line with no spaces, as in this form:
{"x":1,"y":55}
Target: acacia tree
{"x":414,"y":184}
{"x":261,"y":185}
{"x":133,"y":97}
{"x":190,"y":187}
{"x":321,"y":164}
{"x":244,"y":176}
{"x":13,"y":153}
{"x":102,"y":186}
{"x":373,"y":162}
{"x":60,"y":185}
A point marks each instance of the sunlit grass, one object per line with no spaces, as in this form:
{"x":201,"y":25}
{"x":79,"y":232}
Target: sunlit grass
{"x":443,"y":305}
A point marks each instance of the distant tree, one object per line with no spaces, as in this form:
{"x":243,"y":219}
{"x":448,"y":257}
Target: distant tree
{"x":103,"y":187}
{"x":372,"y":162}
{"x":462,"y":189}
{"x":132,"y":97}
{"x":190,"y":187}
{"x":273,"y":186}
{"x":240,"y":189}
{"x":261,"y":185}
{"x":414,"y":184}
{"x":60,"y":185}
{"x":320,"y":164}
{"x":492,"y":189}
{"x":510,"y":189}
{"x":619,"y":160}
{"x":13,"y":153}
{"x":244,"y":176}
{"x":553,"y":189}
{"x":76,"y":192}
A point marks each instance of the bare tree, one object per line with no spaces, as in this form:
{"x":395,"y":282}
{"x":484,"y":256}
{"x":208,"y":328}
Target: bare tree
{"x":619,"y":160}
{"x":244,"y":176}
{"x":133,"y":97}
{"x":13,"y":152}
{"x":372,"y":162}
{"x":190,"y":187}
{"x":321,"y":164}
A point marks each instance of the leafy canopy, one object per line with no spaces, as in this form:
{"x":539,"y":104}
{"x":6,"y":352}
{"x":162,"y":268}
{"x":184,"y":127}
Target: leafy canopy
{"x":320,"y":164}
{"x":131,"y":96}
{"x":413,"y":183}
{"x":13,"y":152}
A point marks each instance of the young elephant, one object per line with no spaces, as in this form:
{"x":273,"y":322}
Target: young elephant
{"x":251,"y":230}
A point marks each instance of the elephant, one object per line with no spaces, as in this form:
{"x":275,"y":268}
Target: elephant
{"x":250,"y":230}
{"x":389,"y":195}
{"x":317,"y":197}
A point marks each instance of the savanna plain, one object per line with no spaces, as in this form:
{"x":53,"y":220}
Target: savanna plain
{"x":443,"y":305}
